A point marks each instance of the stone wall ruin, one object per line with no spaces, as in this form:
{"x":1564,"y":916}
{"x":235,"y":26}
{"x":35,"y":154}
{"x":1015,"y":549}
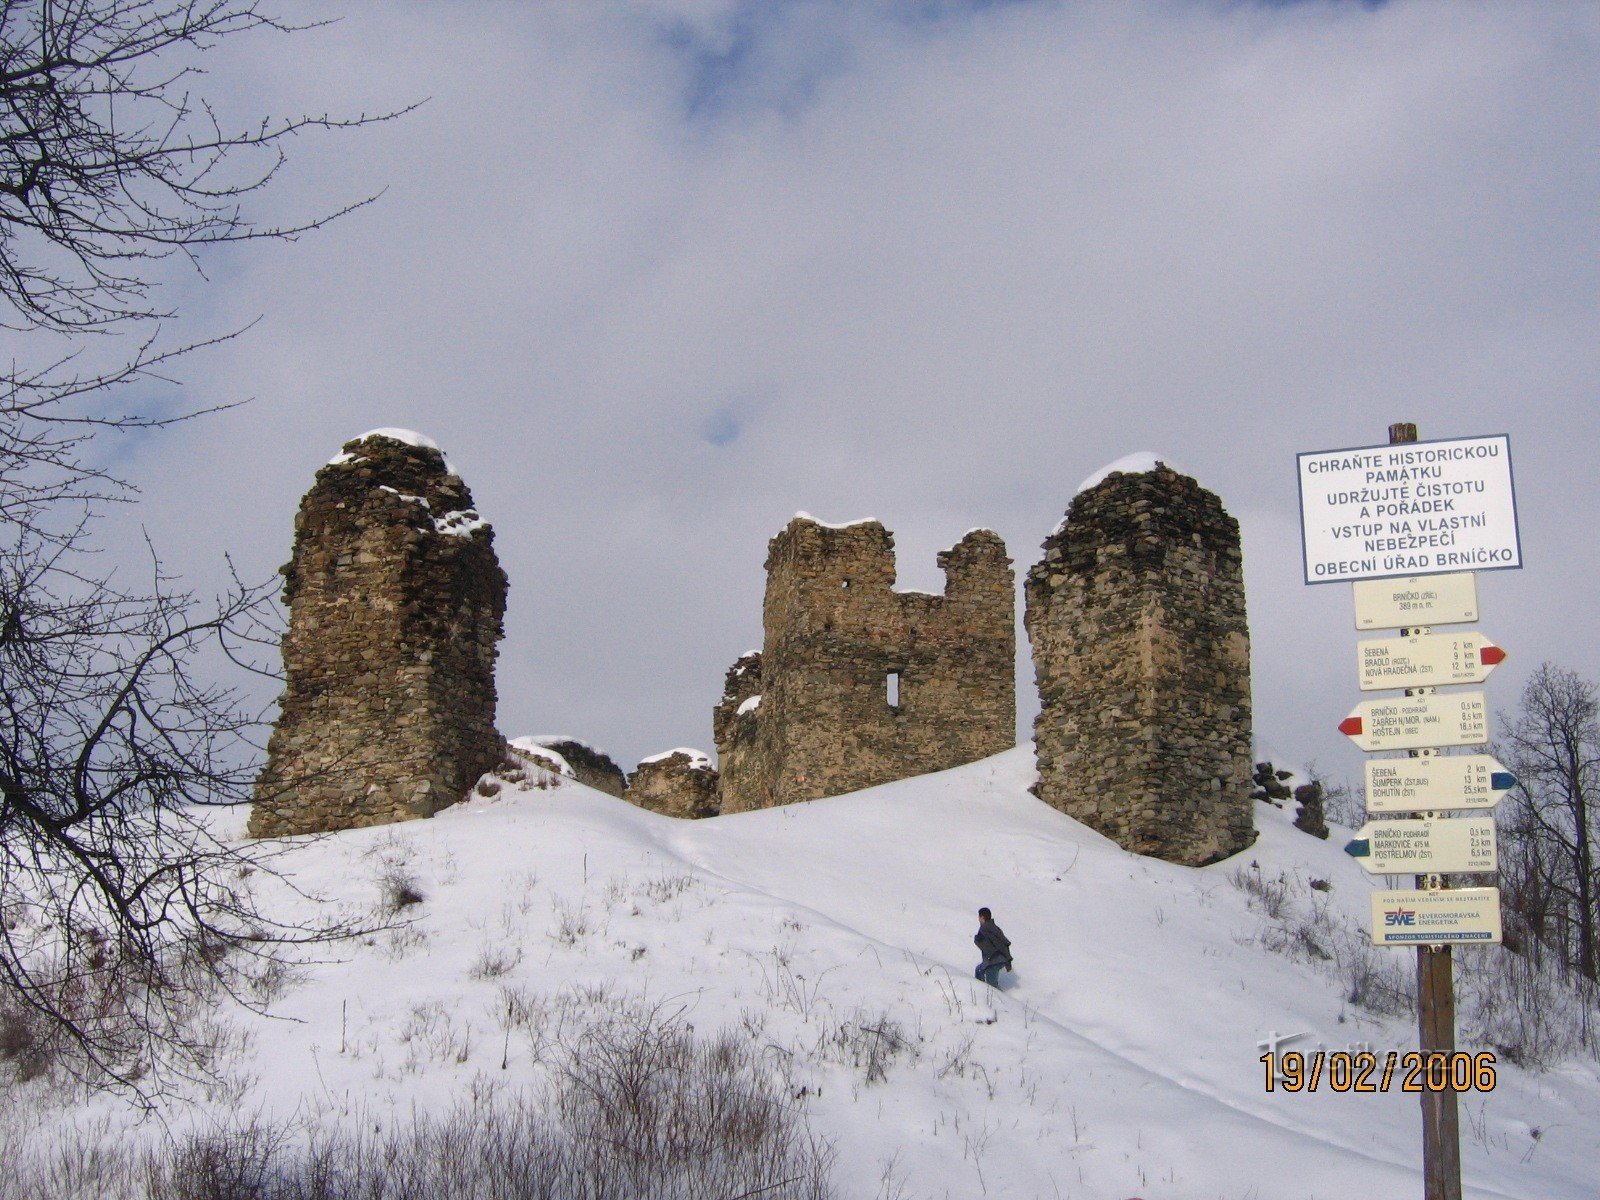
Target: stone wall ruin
{"x":1142,"y":657}
{"x":679,"y":783}
{"x":859,"y":684}
{"x":395,"y":606}
{"x":1136,"y":615}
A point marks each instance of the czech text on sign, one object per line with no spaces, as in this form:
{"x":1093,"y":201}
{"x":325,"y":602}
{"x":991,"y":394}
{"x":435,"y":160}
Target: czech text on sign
{"x":1436,"y":918}
{"x":1417,"y":722}
{"x":1416,"y":508}
{"x":1420,"y":847}
{"x":1425,"y":660}
{"x":1416,"y":600}
{"x":1422,"y":784}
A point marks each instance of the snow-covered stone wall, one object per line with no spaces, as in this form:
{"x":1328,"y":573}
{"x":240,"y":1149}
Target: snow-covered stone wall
{"x":861,"y":684}
{"x":1142,"y":657}
{"x":395,"y":607}
{"x":678,"y":783}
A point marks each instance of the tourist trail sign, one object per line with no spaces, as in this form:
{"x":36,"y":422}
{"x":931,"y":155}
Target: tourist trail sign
{"x":1426,"y":660}
{"x":1419,"y":722}
{"x":1420,"y":847}
{"x":1436,"y":782}
{"x":1402,"y":918}
{"x":1408,"y":509}
{"x":1416,"y":600}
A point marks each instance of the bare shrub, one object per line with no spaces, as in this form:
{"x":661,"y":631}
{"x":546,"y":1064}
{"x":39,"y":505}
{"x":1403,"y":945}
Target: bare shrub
{"x":667,"y":887}
{"x":1375,"y":978}
{"x":398,"y":888}
{"x":636,"y":1106}
{"x":1267,"y":896}
{"x":494,"y":961}
{"x":25,"y":1041}
{"x":574,"y":922}
{"x":870,"y":1043}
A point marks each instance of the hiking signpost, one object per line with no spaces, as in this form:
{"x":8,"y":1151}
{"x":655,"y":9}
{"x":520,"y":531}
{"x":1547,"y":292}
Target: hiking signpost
{"x":1419,"y":722}
{"x":1408,"y":785}
{"x":1389,"y":847}
{"x":1424,"y":600}
{"x":1427,"y":660}
{"x":1407,"y":524}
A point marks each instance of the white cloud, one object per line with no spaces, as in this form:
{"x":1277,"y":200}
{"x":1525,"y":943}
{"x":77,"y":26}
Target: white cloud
{"x":936,"y":270}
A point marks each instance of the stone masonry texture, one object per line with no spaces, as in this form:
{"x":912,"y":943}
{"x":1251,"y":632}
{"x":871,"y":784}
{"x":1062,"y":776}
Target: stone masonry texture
{"x":395,"y":607}
{"x":680,"y":784}
{"x":590,"y":766}
{"x":736,"y":733}
{"x":859,"y":684}
{"x":1142,"y":657}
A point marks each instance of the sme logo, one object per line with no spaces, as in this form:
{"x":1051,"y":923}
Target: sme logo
{"x":1399,"y":916}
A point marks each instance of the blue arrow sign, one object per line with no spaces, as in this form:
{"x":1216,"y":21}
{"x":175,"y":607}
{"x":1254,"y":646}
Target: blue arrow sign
{"x":1358,"y":847}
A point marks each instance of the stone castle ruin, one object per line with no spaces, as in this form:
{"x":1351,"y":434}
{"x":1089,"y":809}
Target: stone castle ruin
{"x":1136,"y":616}
{"x":395,"y":600}
{"x":1142,"y":657}
{"x":858,"y":684}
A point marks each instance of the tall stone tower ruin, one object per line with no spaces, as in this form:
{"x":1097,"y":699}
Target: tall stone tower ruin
{"x":859,"y":684}
{"x":1142,"y":657}
{"x":395,"y":605}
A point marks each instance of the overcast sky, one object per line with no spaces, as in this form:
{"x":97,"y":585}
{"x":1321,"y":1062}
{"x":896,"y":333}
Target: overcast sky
{"x":657,"y":275}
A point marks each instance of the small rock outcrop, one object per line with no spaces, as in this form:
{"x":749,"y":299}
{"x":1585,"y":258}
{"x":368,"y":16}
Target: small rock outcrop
{"x":395,"y":604}
{"x":1310,"y":819}
{"x":680,"y":783}
{"x":1142,"y":656}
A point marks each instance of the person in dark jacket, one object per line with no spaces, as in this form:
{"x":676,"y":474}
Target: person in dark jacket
{"x":995,"y":947}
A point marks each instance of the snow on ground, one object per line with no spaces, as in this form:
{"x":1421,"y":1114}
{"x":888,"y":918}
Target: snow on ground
{"x":1120,"y":1060}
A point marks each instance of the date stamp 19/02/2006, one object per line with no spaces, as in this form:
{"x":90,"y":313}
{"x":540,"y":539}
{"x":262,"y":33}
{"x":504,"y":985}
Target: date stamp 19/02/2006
{"x":1367,"y":1071}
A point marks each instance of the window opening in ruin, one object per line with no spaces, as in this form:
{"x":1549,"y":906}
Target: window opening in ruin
{"x":845,"y":584}
{"x":893,"y":687}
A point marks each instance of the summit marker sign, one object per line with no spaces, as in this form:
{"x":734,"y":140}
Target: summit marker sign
{"x":1408,"y":509}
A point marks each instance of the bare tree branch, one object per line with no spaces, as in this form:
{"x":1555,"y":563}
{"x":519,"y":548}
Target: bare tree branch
{"x":121,"y":908}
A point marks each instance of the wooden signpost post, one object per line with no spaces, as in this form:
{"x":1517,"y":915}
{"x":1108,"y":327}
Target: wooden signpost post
{"x":1407,"y":524}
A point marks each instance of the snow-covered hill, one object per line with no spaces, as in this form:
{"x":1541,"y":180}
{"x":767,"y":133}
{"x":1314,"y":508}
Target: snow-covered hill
{"x":1120,"y":1060}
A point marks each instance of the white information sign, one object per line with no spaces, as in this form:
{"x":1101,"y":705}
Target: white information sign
{"x":1416,"y":600}
{"x":1426,"y":660}
{"x":1438,"y":781}
{"x":1419,"y":722}
{"x":1413,"y":508}
{"x":1435,"y":918}
{"x":1421,"y":847}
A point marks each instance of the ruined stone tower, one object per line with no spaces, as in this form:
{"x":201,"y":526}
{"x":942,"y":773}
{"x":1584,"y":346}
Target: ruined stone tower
{"x":735,"y":726}
{"x":859,"y":684}
{"x":1142,"y":657}
{"x":395,"y":604}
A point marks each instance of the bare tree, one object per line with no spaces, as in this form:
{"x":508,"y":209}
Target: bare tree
{"x":110,"y":156}
{"x":1552,"y":819}
{"x":118,"y":903}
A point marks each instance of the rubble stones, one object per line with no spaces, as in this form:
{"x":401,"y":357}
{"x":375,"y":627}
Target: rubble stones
{"x":590,"y":766}
{"x":679,"y":784}
{"x":860,"y":684}
{"x":1142,"y":657}
{"x":395,"y":607}
{"x":1310,"y":819}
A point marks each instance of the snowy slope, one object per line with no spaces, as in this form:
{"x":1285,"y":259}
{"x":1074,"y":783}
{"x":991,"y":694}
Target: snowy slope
{"x":1119,"y":1061}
